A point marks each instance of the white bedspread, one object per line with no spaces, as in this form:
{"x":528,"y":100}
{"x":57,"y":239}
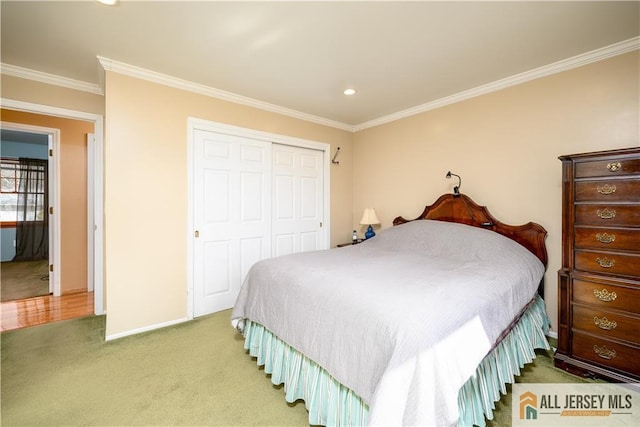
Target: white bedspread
{"x":402,"y":319}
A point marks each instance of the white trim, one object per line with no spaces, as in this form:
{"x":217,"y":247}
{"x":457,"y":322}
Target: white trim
{"x":544,"y":71}
{"x":98,"y":122}
{"x":207,"y":125}
{"x":91,"y":228}
{"x":52,"y":187}
{"x":146,"y":329}
{"x":227,"y":129}
{"x":55,"y":204}
{"x":98,"y":215}
{"x":54,"y":195}
{"x":49,"y":110}
{"x":52,"y":79}
{"x":553,"y":334}
{"x":191,"y":125}
{"x":163,"y":79}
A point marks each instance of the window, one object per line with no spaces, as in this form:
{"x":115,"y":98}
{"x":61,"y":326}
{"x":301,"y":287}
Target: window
{"x":34,"y":196}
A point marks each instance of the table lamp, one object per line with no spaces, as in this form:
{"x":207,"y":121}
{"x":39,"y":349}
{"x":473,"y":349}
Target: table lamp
{"x":369,"y":217}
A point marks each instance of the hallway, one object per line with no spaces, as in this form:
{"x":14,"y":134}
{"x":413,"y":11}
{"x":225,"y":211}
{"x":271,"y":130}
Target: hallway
{"x":39,"y":310}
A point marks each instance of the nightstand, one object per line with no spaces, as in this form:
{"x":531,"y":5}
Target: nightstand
{"x":350,"y":243}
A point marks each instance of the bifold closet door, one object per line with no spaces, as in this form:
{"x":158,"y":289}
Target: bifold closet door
{"x":297,"y":200}
{"x":232,"y":215}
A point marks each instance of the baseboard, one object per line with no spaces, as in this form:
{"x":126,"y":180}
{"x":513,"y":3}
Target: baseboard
{"x":74,"y":291}
{"x":553,"y":334}
{"x":145,"y":329}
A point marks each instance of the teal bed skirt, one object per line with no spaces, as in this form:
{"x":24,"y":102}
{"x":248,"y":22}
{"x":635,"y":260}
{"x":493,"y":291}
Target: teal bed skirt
{"x":332,"y":404}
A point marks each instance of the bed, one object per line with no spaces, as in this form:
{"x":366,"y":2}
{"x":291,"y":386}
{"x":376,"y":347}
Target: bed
{"x":423,"y":324}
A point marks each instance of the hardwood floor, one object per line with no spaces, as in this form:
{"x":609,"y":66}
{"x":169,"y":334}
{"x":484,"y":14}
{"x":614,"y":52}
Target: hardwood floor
{"x":38,"y":310}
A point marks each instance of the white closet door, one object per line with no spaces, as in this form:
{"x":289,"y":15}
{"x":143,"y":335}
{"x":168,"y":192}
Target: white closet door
{"x":297,"y":200}
{"x":232,"y":209}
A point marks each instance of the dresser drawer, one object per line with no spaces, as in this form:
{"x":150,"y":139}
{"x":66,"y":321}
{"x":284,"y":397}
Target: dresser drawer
{"x":607,"y":215}
{"x":607,"y":296}
{"x":608,"y":191}
{"x":607,"y":238}
{"x":608,"y":262}
{"x":610,"y":167}
{"x":606,"y":353}
{"x":606,"y":323}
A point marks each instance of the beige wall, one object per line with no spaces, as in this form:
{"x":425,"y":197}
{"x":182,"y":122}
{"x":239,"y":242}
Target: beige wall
{"x":146,"y":192}
{"x":505,"y":145}
{"x":44,"y":94}
{"x":73,"y":194}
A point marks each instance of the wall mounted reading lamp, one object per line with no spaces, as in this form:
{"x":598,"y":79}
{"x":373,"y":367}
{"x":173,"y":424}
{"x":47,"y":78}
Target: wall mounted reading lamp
{"x":456,"y":188}
{"x":335,"y":156}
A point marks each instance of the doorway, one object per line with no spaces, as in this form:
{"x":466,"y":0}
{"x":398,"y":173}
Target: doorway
{"x":14,"y":112}
{"x":27,"y":194}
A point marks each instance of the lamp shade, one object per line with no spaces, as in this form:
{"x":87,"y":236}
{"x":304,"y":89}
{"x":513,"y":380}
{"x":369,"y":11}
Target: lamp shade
{"x":369,"y":217}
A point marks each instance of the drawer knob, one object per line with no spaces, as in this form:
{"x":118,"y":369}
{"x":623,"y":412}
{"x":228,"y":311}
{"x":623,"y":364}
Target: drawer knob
{"x":614,"y":167}
{"x":605,"y":262}
{"x":604,"y":323}
{"x":605,"y":295}
{"x":606,"y":189}
{"x":605,"y":237}
{"x":606,"y":213}
{"x":604,"y":352}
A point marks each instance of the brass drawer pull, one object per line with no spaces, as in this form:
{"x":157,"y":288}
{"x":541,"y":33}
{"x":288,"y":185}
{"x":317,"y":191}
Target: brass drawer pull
{"x":606,"y":213}
{"x":605,"y":295}
{"x":605,"y":237}
{"x":606,"y":189}
{"x":605,"y":262}
{"x":614,"y":167}
{"x":604,"y":323}
{"x":604,"y":352}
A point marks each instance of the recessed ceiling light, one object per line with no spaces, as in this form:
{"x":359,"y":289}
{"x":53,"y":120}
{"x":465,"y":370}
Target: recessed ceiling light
{"x":108,"y":2}
{"x":349,"y":92}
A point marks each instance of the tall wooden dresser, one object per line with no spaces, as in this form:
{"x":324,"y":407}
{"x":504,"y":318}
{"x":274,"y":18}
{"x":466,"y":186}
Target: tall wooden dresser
{"x":599,"y":283}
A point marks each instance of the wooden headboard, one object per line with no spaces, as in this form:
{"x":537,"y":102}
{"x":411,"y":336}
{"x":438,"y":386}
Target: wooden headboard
{"x":463,"y":210}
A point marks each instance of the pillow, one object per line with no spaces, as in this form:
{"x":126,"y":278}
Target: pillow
{"x":450,"y":240}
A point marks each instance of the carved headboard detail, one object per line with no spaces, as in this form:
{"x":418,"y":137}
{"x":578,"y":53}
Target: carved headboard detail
{"x":463,"y":210}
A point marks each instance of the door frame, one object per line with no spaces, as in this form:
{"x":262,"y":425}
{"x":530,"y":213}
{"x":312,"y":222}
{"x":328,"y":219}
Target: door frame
{"x":91,"y":227}
{"x":193,"y":124}
{"x":53,"y":160}
{"x":98,"y":185}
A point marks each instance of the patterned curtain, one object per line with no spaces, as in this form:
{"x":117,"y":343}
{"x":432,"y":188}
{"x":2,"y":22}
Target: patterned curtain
{"x":32,"y":230}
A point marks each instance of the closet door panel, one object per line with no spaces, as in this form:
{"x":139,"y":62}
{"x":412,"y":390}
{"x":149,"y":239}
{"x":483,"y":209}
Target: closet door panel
{"x":232,"y":215}
{"x":284,"y":194}
{"x":298,"y":199}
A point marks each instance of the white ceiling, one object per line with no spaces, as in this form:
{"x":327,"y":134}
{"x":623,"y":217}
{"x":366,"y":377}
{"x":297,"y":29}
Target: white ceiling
{"x":302,"y":55}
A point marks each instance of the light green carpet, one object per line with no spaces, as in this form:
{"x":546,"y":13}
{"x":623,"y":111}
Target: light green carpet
{"x":195,"y":373}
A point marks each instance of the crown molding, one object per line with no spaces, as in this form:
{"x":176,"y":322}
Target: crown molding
{"x":52,"y":79}
{"x":30,"y":107}
{"x":152,"y":76}
{"x":544,"y":71}
{"x":141,"y":73}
